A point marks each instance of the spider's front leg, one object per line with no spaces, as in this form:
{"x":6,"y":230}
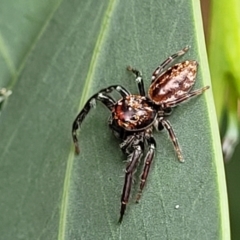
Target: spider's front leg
{"x":134,"y":159}
{"x":105,"y":99}
{"x":102,"y":97}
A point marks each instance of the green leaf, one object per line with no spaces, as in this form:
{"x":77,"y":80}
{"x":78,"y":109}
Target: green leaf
{"x":21,"y":24}
{"x":46,"y":191}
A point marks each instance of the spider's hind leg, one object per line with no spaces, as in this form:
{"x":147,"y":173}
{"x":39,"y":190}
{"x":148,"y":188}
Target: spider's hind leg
{"x":167,"y":62}
{"x":166,"y":124}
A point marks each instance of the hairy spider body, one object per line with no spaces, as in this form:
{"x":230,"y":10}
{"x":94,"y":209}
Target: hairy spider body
{"x":134,"y":117}
{"x":134,"y":113}
{"x":173,"y":84}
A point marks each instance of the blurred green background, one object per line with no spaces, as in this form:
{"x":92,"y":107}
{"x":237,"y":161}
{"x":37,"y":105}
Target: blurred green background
{"x":222,"y":32}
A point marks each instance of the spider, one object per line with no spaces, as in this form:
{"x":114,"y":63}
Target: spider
{"x":134,"y":116}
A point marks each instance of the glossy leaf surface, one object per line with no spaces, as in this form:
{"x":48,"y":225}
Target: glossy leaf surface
{"x":46,"y":191}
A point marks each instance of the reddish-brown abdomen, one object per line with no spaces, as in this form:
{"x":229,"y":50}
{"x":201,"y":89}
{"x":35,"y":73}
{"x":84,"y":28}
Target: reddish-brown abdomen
{"x":173,"y":83}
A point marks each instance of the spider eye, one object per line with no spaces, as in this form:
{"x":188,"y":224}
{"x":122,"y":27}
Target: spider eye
{"x":134,"y":117}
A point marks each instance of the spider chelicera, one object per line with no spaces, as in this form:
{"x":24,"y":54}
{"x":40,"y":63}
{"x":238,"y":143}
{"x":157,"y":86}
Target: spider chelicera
{"x":135,"y":116}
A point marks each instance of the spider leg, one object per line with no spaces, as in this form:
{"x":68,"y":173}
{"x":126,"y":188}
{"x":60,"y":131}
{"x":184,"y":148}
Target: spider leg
{"x":105,"y":99}
{"x":186,"y":97}
{"x":147,"y":164}
{"x":166,"y":124}
{"x":120,"y":89}
{"x":134,"y":158}
{"x":167,"y":62}
{"x":127,"y":143}
{"x":138,"y":79}
{"x":102,"y":97}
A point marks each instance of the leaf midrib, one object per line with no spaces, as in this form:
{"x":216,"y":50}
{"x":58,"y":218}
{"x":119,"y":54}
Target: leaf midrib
{"x":85,"y":93}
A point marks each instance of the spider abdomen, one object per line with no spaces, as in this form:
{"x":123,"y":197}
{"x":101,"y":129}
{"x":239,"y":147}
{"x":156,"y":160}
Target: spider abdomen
{"x":134,"y":112}
{"x":174,"y":83}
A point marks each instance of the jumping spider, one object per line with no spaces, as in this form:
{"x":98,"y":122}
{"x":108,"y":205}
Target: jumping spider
{"x":133,"y":117}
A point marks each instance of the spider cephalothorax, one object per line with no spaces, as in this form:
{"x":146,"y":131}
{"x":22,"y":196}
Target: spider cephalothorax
{"x":134,"y":116}
{"x":134,"y":112}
